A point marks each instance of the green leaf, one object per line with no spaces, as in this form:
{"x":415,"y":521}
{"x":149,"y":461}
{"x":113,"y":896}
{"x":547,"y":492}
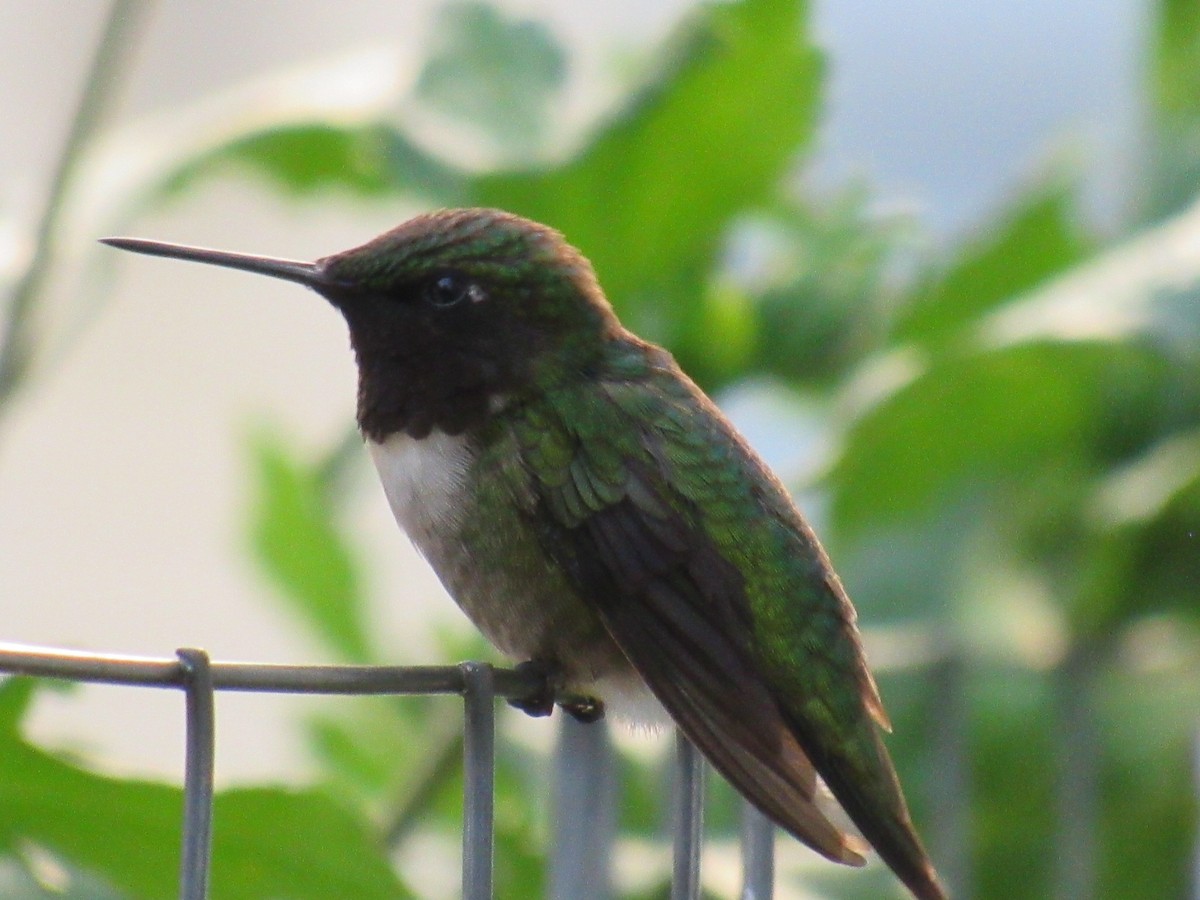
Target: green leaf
{"x":1177,"y":58}
{"x":297,"y":542}
{"x":302,"y":158}
{"x":494,"y":72}
{"x":650,"y":197}
{"x":267,"y":842}
{"x":16,"y":696}
{"x":129,"y":831}
{"x":1174,"y":146}
{"x":972,"y":422}
{"x":1039,"y":240}
{"x":271,"y":842}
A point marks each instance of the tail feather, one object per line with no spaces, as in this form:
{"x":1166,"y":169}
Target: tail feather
{"x":871,"y":796}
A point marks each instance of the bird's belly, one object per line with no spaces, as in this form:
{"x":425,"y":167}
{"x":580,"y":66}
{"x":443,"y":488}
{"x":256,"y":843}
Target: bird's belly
{"x":489,"y":560}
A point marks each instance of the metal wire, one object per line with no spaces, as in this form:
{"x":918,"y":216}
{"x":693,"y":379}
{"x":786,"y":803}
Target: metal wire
{"x":585,"y":812}
{"x":585,"y":796}
{"x":758,"y":854}
{"x":479,"y":768}
{"x":196,"y":671}
{"x":104,"y":668}
{"x":688,"y":822}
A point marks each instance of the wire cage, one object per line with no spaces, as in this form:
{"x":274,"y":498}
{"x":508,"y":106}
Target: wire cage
{"x":584,"y":768}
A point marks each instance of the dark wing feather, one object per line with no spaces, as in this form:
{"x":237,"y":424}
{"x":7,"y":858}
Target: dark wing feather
{"x":677,"y":609}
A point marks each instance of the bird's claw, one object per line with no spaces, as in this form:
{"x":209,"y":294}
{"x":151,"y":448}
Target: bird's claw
{"x":581,"y":708}
{"x":542,"y":701}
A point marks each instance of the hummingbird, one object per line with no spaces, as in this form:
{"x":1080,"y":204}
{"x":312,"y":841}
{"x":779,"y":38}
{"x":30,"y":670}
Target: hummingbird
{"x":600,"y":520}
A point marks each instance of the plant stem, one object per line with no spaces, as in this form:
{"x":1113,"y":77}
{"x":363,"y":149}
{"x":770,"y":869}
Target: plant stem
{"x":101,"y":85}
{"x":442,"y":764}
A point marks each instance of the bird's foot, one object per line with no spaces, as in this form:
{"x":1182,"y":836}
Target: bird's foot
{"x":581,"y":708}
{"x":540,"y":702}
{"x":548,"y":695}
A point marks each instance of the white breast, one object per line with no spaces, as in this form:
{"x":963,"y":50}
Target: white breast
{"x":424,"y":480}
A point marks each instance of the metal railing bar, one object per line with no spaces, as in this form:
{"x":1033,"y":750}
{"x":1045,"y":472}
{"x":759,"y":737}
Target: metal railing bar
{"x":479,"y":772}
{"x":688,"y":819}
{"x":196,"y":855}
{"x":21,"y":659}
{"x":758,"y":855}
{"x":585,"y":812}
{"x":107,"y":668}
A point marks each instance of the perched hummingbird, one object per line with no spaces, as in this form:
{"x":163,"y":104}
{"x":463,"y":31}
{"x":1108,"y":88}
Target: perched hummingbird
{"x":595,"y":515}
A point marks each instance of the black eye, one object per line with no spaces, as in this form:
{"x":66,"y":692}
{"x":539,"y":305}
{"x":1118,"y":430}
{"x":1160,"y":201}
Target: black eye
{"x":452,"y":289}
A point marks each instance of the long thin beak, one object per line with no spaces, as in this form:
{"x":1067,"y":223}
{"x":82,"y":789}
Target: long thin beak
{"x":310,"y":274}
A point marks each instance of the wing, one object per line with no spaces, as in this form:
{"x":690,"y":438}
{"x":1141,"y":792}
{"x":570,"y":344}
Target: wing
{"x":632,"y":534}
{"x":671,"y":603}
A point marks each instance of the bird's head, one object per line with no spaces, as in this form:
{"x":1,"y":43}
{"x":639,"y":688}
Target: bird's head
{"x":452,"y":314}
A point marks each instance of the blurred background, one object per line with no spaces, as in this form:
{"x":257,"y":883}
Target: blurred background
{"x":938,"y":260}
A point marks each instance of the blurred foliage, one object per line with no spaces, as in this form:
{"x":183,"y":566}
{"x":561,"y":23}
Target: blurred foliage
{"x":1174,"y":137}
{"x":1013,"y":485}
{"x":494,"y":73}
{"x":268,"y":842}
{"x":295,"y":538}
{"x":1037,"y":241}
